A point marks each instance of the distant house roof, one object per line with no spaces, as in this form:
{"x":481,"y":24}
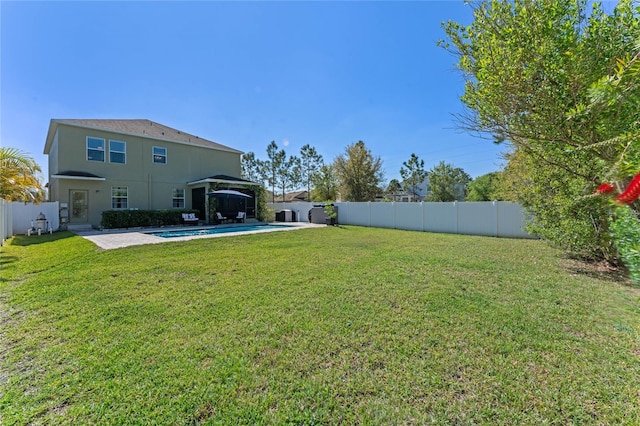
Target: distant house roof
{"x":140,"y":127}
{"x":292,"y":197}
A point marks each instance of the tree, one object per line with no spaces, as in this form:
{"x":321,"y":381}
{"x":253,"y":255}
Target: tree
{"x":485,"y":188}
{"x":359,"y":173}
{"x":273,"y":166}
{"x":392,"y":189}
{"x":19,"y":176}
{"x":413,"y":175}
{"x":325,"y":184}
{"x":447,"y":183}
{"x":311,"y":162}
{"x":288,"y":176}
{"x":530,"y":67}
{"x":252,"y":167}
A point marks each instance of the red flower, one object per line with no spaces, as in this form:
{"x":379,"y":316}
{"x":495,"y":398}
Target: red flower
{"x":631,"y":193}
{"x":605,"y":188}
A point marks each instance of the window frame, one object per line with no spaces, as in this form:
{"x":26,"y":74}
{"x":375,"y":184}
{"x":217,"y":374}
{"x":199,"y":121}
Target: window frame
{"x":124,"y":152}
{"x":176,"y":198}
{"x":118,"y":198}
{"x":153,"y":155}
{"x":93,"y":149}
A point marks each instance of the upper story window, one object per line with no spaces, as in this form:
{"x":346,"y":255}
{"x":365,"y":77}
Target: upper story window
{"x":95,"y":149}
{"x":119,"y":197}
{"x":178,"y":198}
{"x":117,"y":152}
{"x":159,"y":155}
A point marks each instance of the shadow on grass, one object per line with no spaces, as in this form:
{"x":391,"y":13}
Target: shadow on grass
{"x":6,"y":260}
{"x":24,"y":240}
{"x":601,"y":271}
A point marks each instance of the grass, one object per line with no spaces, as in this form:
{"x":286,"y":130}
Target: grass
{"x":337,"y":325}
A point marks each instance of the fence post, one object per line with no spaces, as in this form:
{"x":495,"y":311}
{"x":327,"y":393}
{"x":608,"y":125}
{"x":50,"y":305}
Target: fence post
{"x":455,"y":206}
{"x":497,"y":208}
{"x":393,"y":205}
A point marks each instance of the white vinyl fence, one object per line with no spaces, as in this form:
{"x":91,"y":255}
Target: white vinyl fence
{"x":6,"y":228}
{"x":491,"y":218}
{"x":21,"y":216}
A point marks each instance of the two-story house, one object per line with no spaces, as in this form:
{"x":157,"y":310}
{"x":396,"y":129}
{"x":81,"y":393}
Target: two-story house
{"x":98,"y":165}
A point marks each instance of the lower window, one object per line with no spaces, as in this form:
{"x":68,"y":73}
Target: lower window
{"x":178,"y":198}
{"x":119,"y":197}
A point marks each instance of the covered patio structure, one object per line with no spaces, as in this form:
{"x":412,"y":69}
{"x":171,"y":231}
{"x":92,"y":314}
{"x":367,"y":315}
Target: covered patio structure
{"x":207,"y":201}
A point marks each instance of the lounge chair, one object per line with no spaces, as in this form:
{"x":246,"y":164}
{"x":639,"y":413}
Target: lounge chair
{"x":240,"y":217}
{"x":190,"y":218}
{"x":221,"y":218}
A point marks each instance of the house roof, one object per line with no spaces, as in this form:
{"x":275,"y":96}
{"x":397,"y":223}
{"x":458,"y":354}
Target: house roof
{"x":141,"y":127}
{"x":292,"y":197}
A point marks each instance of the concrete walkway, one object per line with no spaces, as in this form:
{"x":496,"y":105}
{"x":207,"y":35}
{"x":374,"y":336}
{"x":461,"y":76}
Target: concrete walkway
{"x":116,"y":238}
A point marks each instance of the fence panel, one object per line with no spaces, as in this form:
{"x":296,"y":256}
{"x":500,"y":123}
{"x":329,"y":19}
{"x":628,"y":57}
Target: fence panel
{"x":512,"y":219}
{"x":357,"y":214}
{"x":477,"y":218}
{"x":409,"y":216}
{"x":382,"y":215}
{"x":440,"y":217}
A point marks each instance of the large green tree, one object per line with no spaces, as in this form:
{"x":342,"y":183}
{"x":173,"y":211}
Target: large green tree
{"x":413,"y":174}
{"x":252,"y":167}
{"x":447,"y":183}
{"x":325,"y":184}
{"x":485,"y":188}
{"x":394,"y":187}
{"x":19,"y":176}
{"x":359,"y":173}
{"x":530,"y":67}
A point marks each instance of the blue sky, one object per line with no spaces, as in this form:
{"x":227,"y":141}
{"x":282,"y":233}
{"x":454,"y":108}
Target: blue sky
{"x":243,"y":74}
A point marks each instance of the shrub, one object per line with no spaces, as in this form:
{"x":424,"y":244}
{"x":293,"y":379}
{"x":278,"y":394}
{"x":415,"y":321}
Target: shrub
{"x":625,"y":230}
{"x":141,"y":218}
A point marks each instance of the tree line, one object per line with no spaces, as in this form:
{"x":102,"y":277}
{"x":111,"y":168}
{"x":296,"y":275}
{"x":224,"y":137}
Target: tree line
{"x":357,"y":175}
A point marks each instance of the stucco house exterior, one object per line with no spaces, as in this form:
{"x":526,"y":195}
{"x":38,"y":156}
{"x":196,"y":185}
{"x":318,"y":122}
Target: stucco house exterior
{"x":104,"y":164}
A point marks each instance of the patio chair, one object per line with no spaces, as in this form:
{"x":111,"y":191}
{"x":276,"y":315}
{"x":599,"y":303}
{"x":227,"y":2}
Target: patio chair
{"x":240,"y":217}
{"x":221,"y":218}
{"x":190,"y":218}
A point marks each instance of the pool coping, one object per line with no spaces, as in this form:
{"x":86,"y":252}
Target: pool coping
{"x":108,"y":239}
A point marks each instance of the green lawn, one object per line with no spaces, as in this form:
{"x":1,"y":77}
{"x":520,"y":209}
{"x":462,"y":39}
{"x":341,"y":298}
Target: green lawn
{"x":336,"y":325}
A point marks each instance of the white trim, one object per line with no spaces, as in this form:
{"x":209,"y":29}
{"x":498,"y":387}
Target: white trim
{"x":77,"y":177}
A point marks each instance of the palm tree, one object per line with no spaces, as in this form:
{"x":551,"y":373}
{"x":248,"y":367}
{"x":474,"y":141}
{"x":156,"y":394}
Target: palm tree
{"x":18,"y":176}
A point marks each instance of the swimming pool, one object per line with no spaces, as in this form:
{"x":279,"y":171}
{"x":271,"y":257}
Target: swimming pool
{"x":211,"y":231}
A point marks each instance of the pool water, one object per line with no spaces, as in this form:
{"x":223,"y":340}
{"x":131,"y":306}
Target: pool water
{"x":210,"y":231}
